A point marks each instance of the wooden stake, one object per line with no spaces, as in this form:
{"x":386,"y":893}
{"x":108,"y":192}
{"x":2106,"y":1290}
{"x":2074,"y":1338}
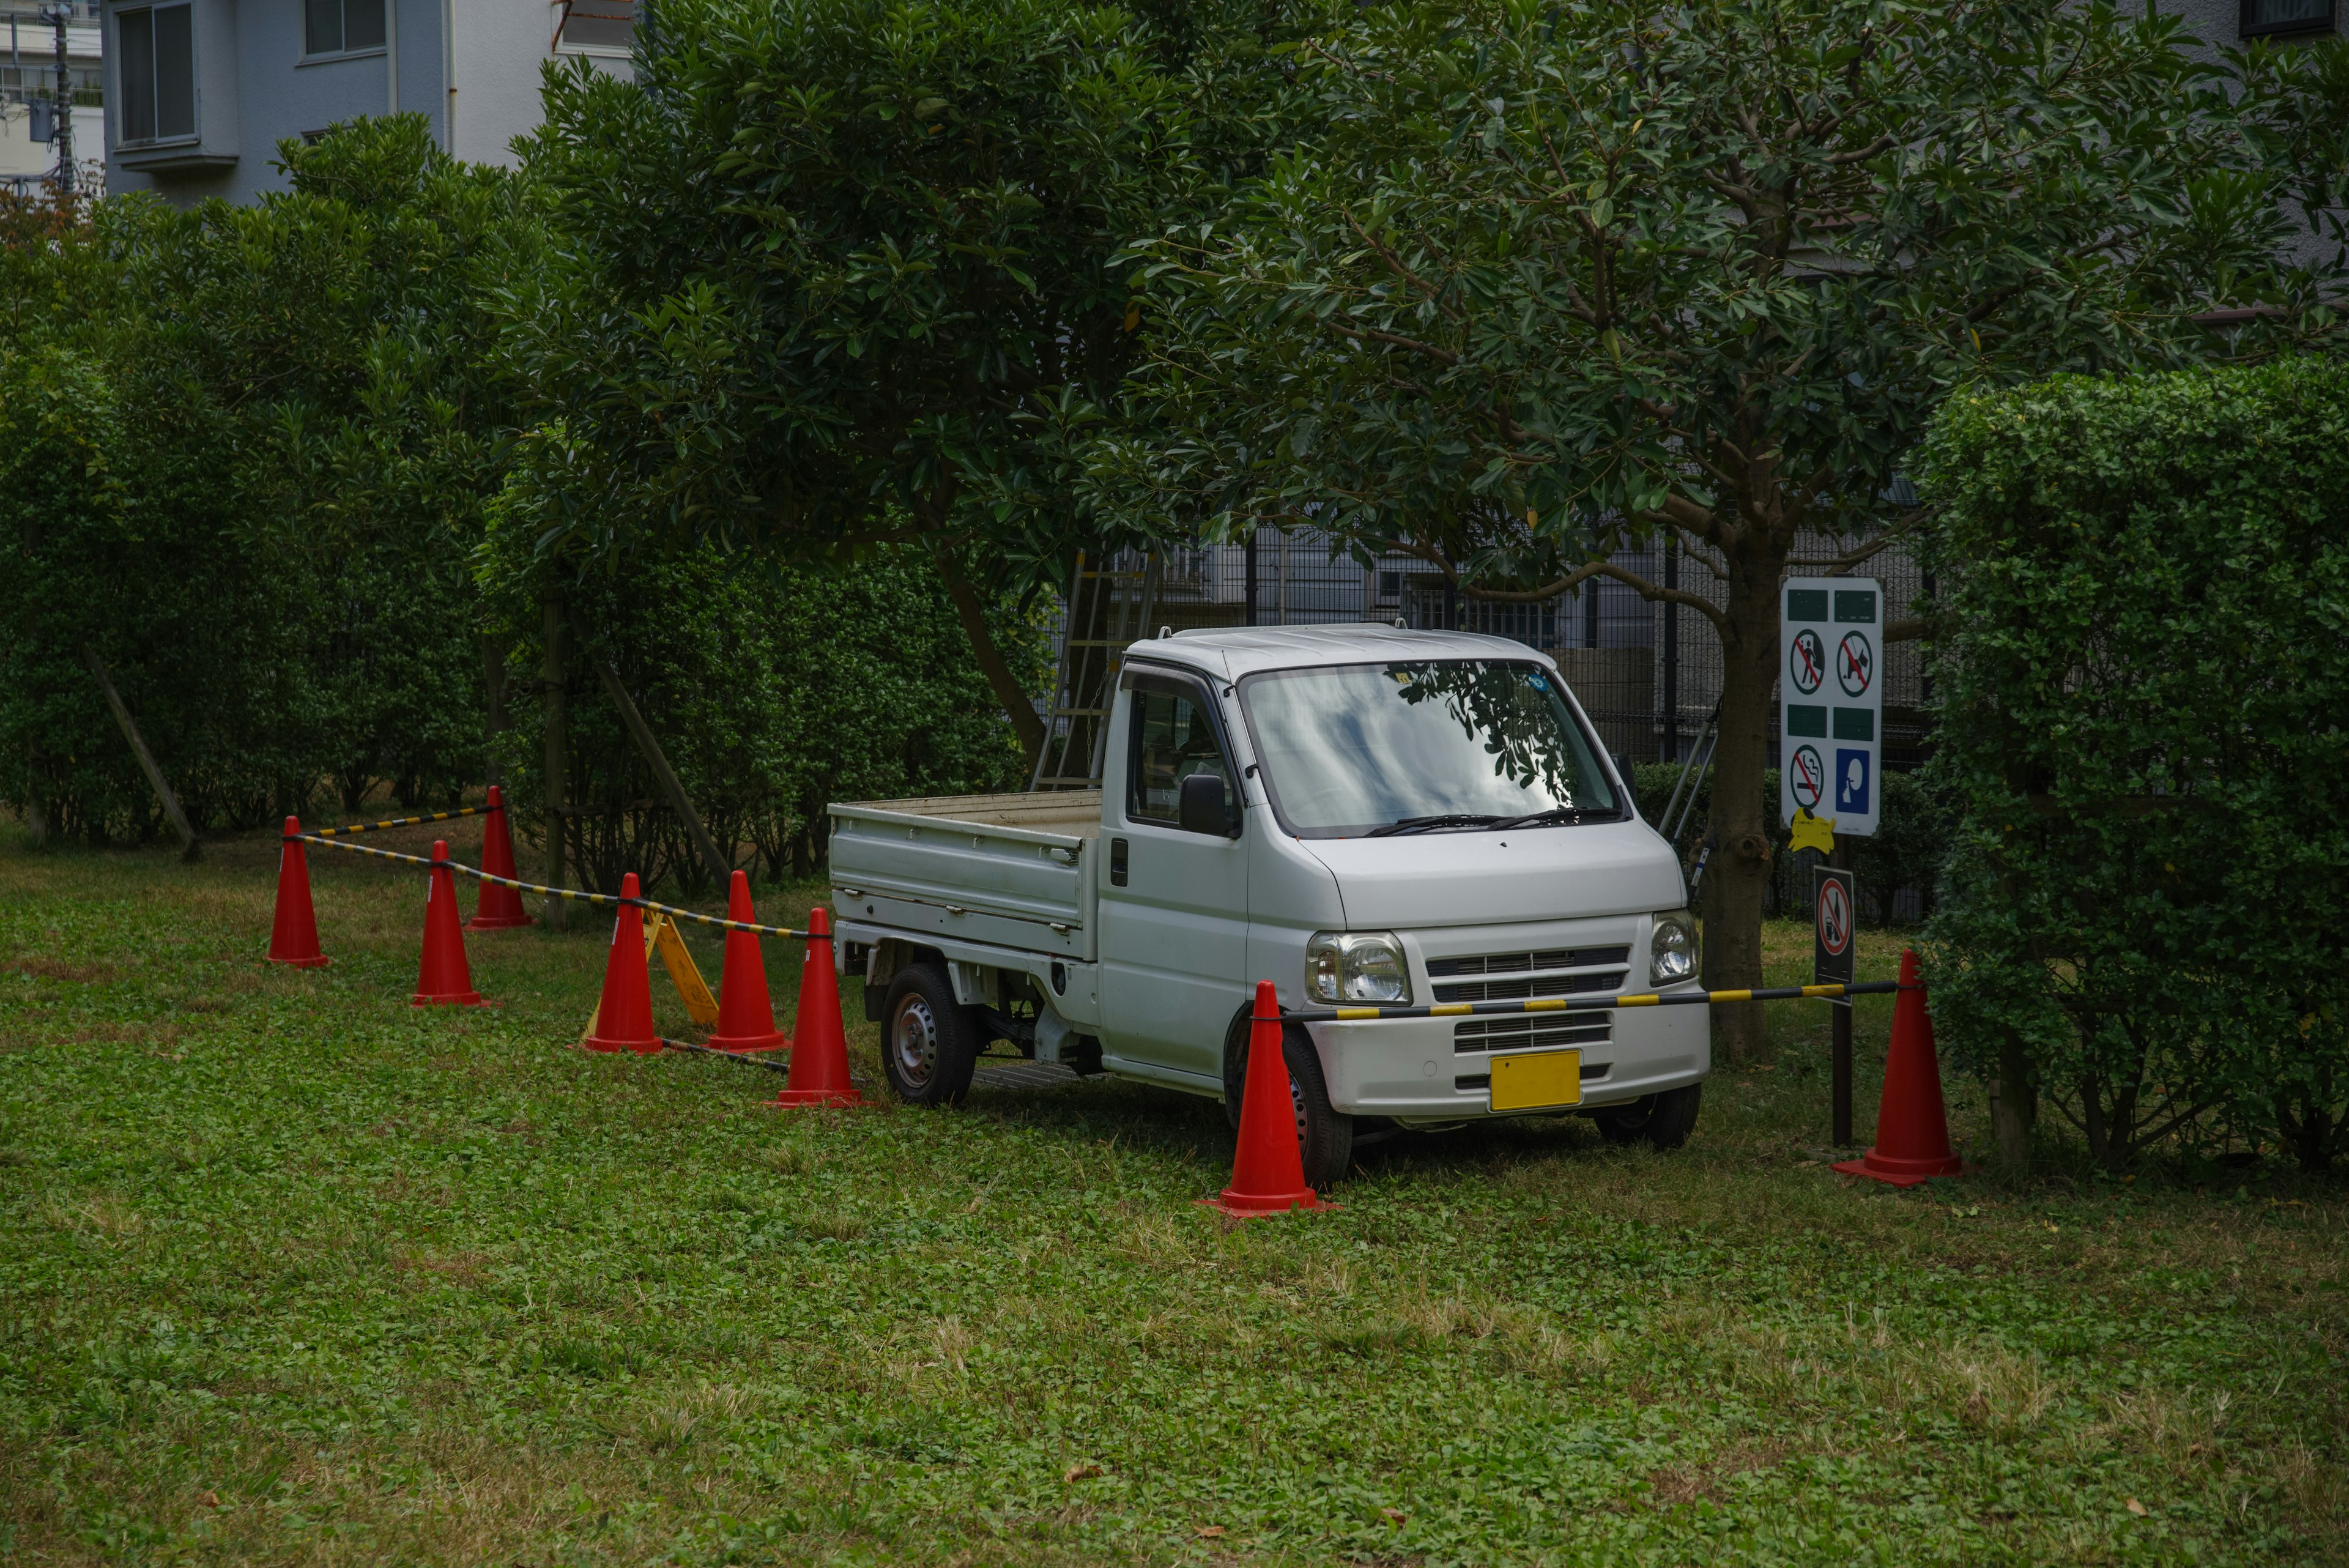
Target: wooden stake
{"x":189,"y":850}
{"x":649,"y":749}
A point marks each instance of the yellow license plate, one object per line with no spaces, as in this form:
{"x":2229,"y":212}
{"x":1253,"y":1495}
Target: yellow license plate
{"x":1538,"y":1083}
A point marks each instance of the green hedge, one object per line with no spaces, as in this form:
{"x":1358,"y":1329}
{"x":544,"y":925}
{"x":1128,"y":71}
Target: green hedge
{"x":2143,"y":677}
{"x":773,"y":693}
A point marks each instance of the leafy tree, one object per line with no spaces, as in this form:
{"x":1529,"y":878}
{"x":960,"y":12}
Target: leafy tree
{"x":833,"y":273}
{"x":1558,"y":278}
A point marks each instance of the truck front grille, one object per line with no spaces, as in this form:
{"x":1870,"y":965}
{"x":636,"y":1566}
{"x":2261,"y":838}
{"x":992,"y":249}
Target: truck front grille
{"x":1532,"y":1031}
{"x":1520,"y":963}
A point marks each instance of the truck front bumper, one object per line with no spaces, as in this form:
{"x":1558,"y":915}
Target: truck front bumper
{"x":1415,"y":1069}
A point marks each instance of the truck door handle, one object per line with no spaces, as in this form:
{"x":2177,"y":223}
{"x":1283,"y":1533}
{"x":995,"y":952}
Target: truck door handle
{"x":1117,"y":862}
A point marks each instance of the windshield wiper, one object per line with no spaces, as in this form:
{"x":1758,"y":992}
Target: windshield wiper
{"x":1428,"y":824}
{"x":1560,"y":814}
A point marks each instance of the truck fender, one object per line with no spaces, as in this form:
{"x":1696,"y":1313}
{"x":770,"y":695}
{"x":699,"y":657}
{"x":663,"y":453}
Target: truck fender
{"x":888,"y":958}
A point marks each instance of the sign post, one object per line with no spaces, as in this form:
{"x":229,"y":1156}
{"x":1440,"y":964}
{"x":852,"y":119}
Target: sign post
{"x":1831,"y":668}
{"x":1835,"y":918}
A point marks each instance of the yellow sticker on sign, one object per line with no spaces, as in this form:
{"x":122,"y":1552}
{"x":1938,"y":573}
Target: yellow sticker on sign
{"x":1538,"y":1083}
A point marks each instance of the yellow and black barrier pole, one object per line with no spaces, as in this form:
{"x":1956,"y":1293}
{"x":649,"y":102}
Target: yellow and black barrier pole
{"x":606,"y":900}
{"x":449,"y":816}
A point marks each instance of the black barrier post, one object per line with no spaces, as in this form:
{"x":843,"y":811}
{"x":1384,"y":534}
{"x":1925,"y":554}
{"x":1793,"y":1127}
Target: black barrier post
{"x":1834,"y":934}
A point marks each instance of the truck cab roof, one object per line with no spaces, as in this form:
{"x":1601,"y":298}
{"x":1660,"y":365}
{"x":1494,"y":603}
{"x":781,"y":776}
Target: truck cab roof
{"x":1231,"y":652}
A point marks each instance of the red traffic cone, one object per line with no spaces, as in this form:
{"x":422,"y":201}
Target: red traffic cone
{"x":1268,"y":1168}
{"x":442,"y":976}
{"x":624,"y":1017}
{"x":746,"y":1015}
{"x":1912,"y":1127}
{"x":500,"y":909}
{"x":819,"y":1048}
{"x":294,"y":934}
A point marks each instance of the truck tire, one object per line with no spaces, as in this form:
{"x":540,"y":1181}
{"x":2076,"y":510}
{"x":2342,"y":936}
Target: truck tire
{"x":1663,"y":1119}
{"x":928,"y":1043}
{"x":1325,"y":1135}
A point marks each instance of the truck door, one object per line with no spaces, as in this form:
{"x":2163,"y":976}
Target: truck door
{"x":1174,"y":904}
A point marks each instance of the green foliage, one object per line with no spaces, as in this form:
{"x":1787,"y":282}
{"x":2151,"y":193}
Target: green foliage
{"x":774,"y":691}
{"x":2143,"y":682}
{"x":248,"y":452}
{"x":840,"y":269}
{"x":1571,"y":265}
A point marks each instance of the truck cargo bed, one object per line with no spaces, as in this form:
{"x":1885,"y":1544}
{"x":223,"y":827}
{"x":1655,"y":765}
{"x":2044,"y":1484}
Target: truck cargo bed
{"x":999,"y":868}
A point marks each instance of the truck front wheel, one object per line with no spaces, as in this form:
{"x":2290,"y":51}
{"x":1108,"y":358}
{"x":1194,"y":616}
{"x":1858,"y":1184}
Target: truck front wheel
{"x":1664,"y":1120}
{"x":1325,"y":1135}
{"x":929,"y":1047}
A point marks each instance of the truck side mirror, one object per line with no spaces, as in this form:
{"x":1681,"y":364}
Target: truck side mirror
{"x":1204,"y":806}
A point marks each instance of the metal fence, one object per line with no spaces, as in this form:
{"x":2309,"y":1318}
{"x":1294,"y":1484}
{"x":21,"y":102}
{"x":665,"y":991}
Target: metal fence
{"x":1647,"y":674}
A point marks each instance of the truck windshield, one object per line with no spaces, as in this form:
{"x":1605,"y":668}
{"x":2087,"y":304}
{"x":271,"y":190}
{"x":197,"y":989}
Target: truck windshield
{"x":1443,"y":746}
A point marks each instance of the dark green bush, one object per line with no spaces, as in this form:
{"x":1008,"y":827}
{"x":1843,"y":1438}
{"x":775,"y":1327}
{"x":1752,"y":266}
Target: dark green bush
{"x":2144,"y":682}
{"x":244,"y":451}
{"x":773,"y":693}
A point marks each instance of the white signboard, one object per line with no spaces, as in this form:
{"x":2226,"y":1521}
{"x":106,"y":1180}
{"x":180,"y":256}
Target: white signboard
{"x":1831,"y":702}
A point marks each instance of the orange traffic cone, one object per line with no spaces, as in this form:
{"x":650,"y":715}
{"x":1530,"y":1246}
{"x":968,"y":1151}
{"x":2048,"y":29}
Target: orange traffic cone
{"x":1268,"y":1168}
{"x":820,"y":1048}
{"x":500,"y":909}
{"x":624,"y":1017}
{"x":1912,"y":1127}
{"x":294,"y":934}
{"x":746,"y":1013}
{"x":442,"y":976}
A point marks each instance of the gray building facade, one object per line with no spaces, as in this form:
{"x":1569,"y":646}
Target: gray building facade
{"x":200,"y":92}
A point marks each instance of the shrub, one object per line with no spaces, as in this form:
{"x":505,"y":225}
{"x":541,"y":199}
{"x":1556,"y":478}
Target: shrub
{"x":2143,"y":681}
{"x":772,"y":693}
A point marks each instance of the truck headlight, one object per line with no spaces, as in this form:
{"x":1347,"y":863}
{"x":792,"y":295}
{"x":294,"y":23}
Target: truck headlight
{"x":1672,"y":952}
{"x":1356,"y":968}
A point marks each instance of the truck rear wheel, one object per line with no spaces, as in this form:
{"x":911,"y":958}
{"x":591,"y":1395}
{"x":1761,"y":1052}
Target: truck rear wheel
{"x":1325,"y":1135}
{"x":1664,"y":1120}
{"x":929,"y":1045}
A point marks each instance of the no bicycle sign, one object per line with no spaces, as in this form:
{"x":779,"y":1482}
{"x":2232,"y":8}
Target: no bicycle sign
{"x":1831,"y":662}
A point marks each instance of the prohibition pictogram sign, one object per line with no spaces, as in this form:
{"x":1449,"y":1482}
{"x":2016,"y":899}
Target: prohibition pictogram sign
{"x":1834,"y":918}
{"x":1855,"y":664}
{"x":1808,"y":777}
{"x":1806,"y":665}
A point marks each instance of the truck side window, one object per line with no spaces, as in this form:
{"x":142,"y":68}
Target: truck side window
{"x":1172,"y":739}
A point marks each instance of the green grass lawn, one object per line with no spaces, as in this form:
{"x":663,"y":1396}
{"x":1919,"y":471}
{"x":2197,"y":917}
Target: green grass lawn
{"x":292,"y":1272}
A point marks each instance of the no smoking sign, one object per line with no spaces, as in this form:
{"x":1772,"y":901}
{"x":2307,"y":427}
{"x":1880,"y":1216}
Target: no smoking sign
{"x":1831,"y":731}
{"x":1832,"y":911}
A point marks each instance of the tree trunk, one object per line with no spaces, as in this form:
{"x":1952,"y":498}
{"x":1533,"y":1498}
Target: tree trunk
{"x":1740,"y":868}
{"x":37,"y":815}
{"x":558,"y":750}
{"x":1018,"y":704}
{"x":494,"y":672}
{"x":2013,"y":1103}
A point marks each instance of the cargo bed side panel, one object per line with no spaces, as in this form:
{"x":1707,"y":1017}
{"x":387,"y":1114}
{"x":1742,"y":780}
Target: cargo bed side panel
{"x":978,"y":882}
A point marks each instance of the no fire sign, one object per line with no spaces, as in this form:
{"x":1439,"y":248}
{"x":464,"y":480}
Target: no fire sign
{"x":1831,"y":700}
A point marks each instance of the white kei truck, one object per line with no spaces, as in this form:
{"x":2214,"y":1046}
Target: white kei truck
{"x":1363,"y":815}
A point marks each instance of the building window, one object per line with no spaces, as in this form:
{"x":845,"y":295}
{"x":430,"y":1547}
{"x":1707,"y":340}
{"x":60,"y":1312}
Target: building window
{"x":159,"y":72}
{"x":2263,"y":18}
{"x":600,"y":25}
{"x":341,"y":27}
